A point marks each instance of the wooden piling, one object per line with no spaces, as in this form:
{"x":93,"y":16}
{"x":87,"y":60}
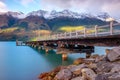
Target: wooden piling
{"x":64,"y":56}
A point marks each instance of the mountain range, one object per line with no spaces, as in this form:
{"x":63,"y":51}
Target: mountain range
{"x":25,"y":24}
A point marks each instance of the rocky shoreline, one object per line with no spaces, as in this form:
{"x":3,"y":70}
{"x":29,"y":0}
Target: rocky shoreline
{"x":105,"y":67}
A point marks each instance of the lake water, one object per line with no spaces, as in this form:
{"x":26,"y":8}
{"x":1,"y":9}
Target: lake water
{"x":26,"y":63}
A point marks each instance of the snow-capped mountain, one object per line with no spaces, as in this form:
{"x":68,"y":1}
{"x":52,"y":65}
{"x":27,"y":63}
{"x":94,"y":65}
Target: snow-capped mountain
{"x":67,"y":13}
{"x":56,"y":14}
{"x":14,"y":14}
{"x":103,"y":16}
{"x":41,"y":13}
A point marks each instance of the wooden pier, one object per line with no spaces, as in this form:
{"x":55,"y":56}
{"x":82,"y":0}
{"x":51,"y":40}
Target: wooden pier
{"x":20,"y":43}
{"x":84,"y":40}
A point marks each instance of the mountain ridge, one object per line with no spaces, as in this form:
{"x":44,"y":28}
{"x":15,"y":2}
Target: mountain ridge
{"x":53,"y":14}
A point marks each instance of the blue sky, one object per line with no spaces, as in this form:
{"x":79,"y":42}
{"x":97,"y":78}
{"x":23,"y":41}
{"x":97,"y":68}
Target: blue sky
{"x":89,"y":6}
{"x":22,"y":5}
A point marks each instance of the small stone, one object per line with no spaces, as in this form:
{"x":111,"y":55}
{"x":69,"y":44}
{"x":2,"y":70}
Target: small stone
{"x":92,"y":65}
{"x":107,"y":51}
{"x":42,"y":75}
{"x":78,"y":61}
{"x":50,"y":78}
{"x":94,"y":56}
{"x":89,"y":60}
{"x":64,"y":74}
{"x":59,"y":68}
{"x":88,"y":74}
{"x":101,"y":58}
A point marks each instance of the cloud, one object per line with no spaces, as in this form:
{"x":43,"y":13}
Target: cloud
{"x":3,"y":7}
{"x":26,"y":2}
{"x":112,"y":9}
{"x":91,"y":6}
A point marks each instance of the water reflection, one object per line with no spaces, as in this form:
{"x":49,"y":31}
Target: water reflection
{"x":53,"y":58}
{"x":26,"y":63}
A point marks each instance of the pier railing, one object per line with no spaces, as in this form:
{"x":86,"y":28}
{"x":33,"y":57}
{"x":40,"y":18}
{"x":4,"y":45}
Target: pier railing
{"x":88,"y":32}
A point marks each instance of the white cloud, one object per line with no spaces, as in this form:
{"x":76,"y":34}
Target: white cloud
{"x":112,"y":9}
{"x":3,"y":7}
{"x":92,"y":6}
{"x":26,"y":2}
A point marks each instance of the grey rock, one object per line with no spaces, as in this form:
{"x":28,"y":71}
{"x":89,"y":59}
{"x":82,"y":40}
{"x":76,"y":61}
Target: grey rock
{"x":92,"y":66}
{"x":76,"y":70}
{"x":116,"y":68}
{"x":115,"y":76}
{"x":89,"y":60}
{"x":71,"y":66}
{"x":94,"y":56}
{"x":88,"y":74}
{"x":64,"y":74}
{"x":78,"y":78}
{"x":101,"y":58}
{"x":103,"y":76}
{"x":114,"y":54}
{"x":104,"y":66}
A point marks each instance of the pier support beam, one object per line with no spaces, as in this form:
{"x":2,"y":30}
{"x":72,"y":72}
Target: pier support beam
{"x":88,"y":54}
{"x":46,"y":50}
{"x":39,"y":48}
{"x":34,"y":46}
{"x":64,"y":57}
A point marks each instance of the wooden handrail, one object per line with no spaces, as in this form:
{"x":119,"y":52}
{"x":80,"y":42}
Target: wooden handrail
{"x":86,"y":32}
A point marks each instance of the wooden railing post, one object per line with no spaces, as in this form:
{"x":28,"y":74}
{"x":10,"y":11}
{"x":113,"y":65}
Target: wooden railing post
{"x":111,"y":28}
{"x":65,"y":36}
{"x":84,"y":32}
{"x":60,"y":35}
{"x":56,"y":36}
{"x":96,"y":31}
{"x":70,"y":34}
{"x":50,"y":37}
{"x":76,"y":33}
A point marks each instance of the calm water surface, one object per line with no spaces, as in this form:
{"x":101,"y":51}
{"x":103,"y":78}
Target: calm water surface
{"x":25,"y":63}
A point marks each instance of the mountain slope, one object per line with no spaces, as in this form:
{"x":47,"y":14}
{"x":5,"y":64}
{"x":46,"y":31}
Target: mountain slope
{"x":7,"y":21}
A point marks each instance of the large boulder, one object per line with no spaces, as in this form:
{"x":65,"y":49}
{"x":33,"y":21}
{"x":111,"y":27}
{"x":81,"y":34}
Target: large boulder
{"x":64,"y":74}
{"x":116,"y":68}
{"x":76,"y":70}
{"x":113,"y":54}
{"x":103,"y":76}
{"x":88,"y":74}
{"x":104,"y":66}
{"x":115,"y":76}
